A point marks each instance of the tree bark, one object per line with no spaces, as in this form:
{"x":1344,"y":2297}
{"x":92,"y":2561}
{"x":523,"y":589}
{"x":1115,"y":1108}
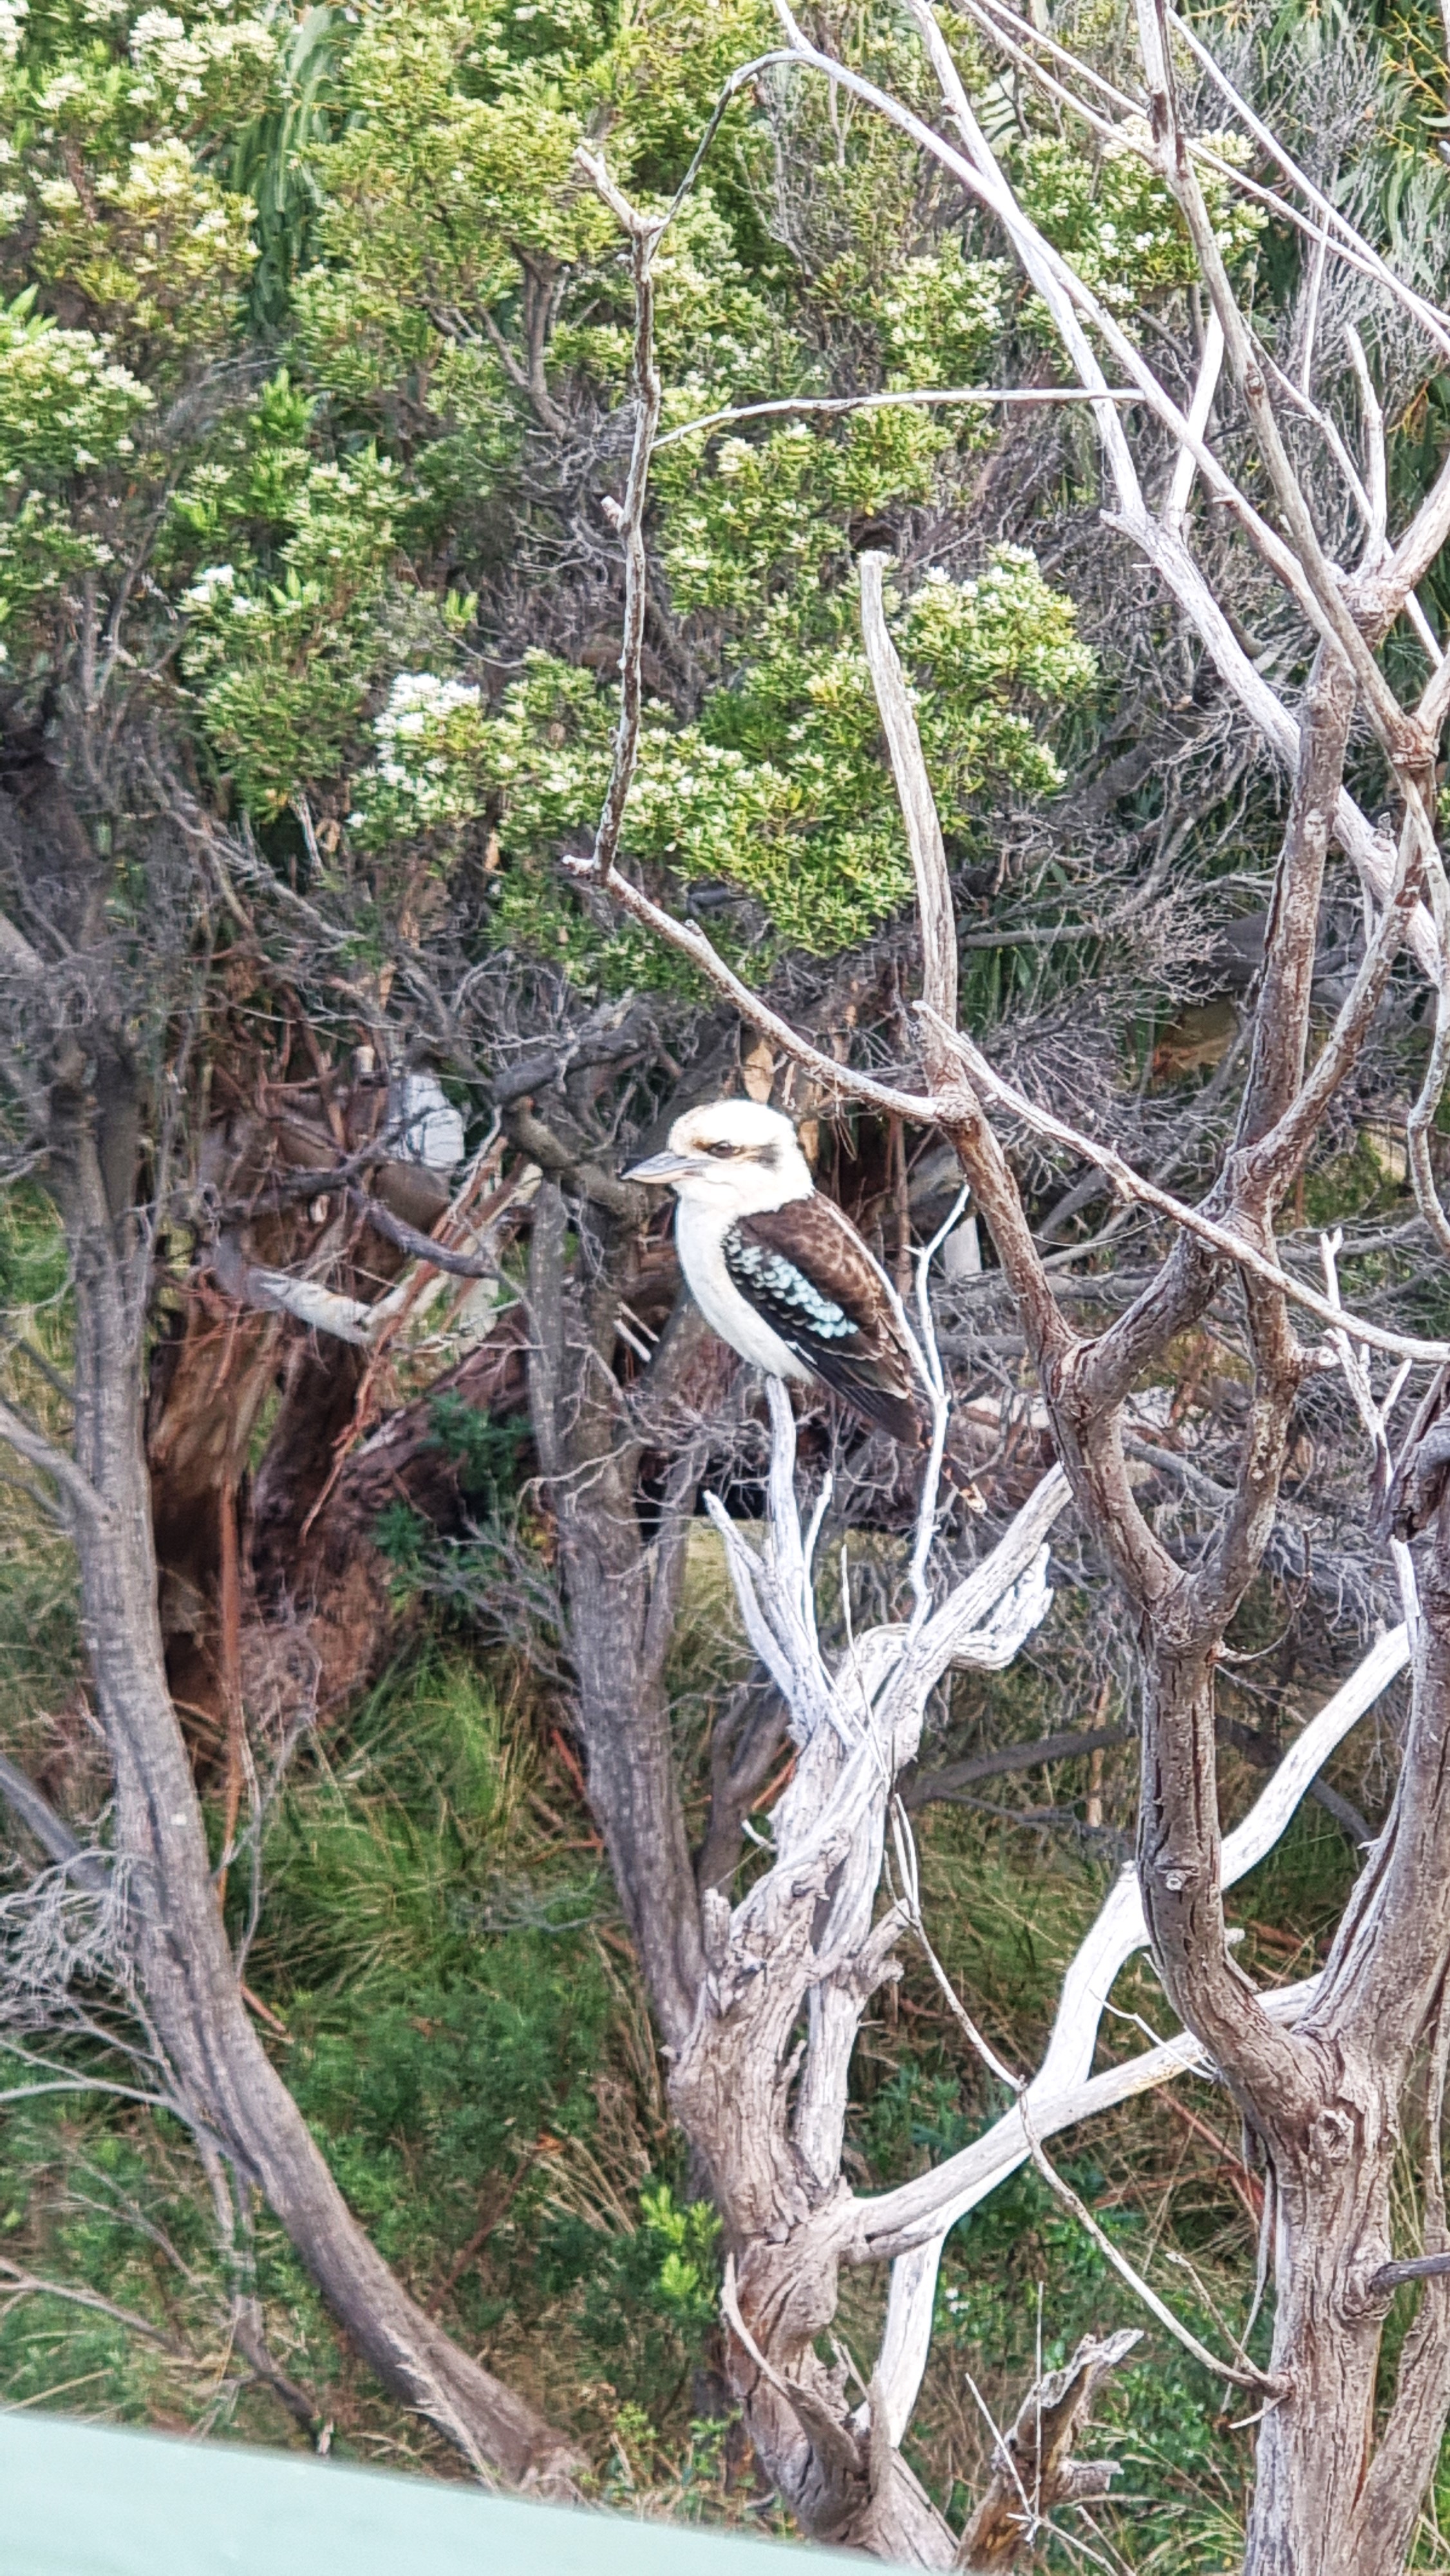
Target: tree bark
{"x":621,"y":1593}
{"x":183,"y":1959}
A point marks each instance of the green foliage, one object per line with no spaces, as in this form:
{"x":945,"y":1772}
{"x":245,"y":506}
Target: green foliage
{"x":486,"y":1452}
{"x":64,"y":404}
{"x":409,"y":179}
{"x":1115,"y":220}
{"x":688,"y":2279}
{"x":283,"y":638}
{"x":273,"y":152}
{"x":779,"y":788}
{"x":1021,"y":2266}
{"x":402,"y":1536}
{"x":454,"y":2034}
{"x":942,"y":316}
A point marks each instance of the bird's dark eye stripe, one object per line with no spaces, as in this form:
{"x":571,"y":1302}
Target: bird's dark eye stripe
{"x":722,"y":1149}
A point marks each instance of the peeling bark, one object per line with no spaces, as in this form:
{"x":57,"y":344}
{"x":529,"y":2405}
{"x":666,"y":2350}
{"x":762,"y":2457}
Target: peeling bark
{"x":1034,"y":2471}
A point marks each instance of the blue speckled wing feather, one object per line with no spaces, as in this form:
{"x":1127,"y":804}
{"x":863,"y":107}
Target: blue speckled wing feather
{"x":806,"y":1271}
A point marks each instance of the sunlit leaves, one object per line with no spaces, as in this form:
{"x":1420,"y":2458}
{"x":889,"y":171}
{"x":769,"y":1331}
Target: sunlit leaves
{"x":779,"y":789}
{"x":1114,"y":218}
{"x":156,"y":250}
{"x":65,"y":404}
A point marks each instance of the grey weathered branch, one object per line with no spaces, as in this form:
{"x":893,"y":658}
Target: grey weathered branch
{"x":803,"y":1939}
{"x":911,"y":2223}
{"x":1160,"y":544}
{"x":936,"y":917}
{"x":17,"y":2283}
{"x":1220,"y":1238}
{"x":50,"y":1830}
{"x":644,"y":236}
{"x":956,"y":1779}
{"x":83,"y":1498}
{"x":686,"y":937}
{"x":419,"y":1246}
{"x":794,"y":406}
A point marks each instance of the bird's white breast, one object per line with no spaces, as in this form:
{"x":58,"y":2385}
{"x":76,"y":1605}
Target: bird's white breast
{"x":699,"y":1235}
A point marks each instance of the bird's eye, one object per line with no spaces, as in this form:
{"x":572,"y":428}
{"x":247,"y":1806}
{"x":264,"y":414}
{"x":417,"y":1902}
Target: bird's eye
{"x":722,"y":1149}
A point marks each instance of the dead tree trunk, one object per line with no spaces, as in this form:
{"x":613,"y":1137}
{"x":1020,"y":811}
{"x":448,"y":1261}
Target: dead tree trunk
{"x":761,"y":2085}
{"x":1339,"y":2491}
{"x":183,"y":1960}
{"x":620,"y":1591}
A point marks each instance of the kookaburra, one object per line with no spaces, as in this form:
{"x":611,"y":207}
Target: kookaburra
{"x":777,"y":1270}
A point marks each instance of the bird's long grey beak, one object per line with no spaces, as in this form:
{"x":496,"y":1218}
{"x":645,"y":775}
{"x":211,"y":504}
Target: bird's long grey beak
{"x":661,"y":1167}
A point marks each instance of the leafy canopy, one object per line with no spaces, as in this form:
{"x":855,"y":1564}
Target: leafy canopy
{"x":333,"y":341}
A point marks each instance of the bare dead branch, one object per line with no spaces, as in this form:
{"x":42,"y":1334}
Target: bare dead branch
{"x":421,"y":1247}
{"x":644,"y":236}
{"x":1402,"y":738}
{"x":1335,"y":223}
{"x":956,"y":1779}
{"x":837,"y":1080}
{"x":915,"y":2212}
{"x":16,"y":2282}
{"x":1162,"y":547}
{"x":793,"y":406}
{"x":81,"y":1495}
{"x":50,"y":1830}
{"x":1035,"y":2467}
{"x":936,"y":916}
{"x":1218,"y":1237}
{"x":1210,"y":367}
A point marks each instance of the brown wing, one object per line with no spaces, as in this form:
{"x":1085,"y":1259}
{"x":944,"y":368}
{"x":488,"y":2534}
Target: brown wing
{"x":805,"y":1269}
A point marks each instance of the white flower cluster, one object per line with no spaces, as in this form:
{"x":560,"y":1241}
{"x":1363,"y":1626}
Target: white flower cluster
{"x":218,"y":582}
{"x":161,"y":174}
{"x":13,"y":14}
{"x":418,"y":701}
{"x":181,"y":58}
{"x":423,"y":736}
{"x":63,"y":400}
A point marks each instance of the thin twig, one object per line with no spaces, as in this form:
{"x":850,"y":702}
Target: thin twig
{"x":787,"y":406}
{"x":644,"y":235}
{"x":18,"y":2283}
{"x":1221,"y":1238}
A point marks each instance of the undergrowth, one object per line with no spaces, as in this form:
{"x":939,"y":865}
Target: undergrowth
{"x":442,"y":1974}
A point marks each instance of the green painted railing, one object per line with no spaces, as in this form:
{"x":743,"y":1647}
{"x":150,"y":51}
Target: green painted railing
{"x":77,"y":2500}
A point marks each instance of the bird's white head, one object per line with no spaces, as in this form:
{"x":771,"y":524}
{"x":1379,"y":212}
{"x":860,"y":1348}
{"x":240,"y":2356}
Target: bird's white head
{"x":734,"y":1156}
